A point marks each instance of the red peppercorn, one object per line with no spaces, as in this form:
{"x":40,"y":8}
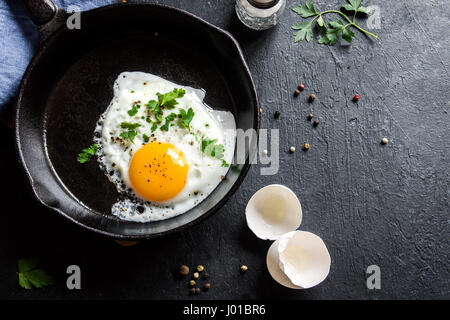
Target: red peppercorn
{"x":356,"y":97}
{"x":301,"y":87}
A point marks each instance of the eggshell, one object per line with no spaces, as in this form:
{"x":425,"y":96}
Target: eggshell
{"x":273,"y":265}
{"x":273,"y":211}
{"x":304,"y":258}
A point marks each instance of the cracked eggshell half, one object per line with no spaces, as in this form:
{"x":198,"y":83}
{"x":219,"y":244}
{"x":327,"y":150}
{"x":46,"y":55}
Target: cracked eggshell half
{"x":303,"y":259}
{"x":273,"y":211}
{"x":273,"y":265}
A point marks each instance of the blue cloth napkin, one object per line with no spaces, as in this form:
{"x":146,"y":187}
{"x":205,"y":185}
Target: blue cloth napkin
{"x":18,"y":42}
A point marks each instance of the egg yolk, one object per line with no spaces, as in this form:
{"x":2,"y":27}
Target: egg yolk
{"x":158,"y":171}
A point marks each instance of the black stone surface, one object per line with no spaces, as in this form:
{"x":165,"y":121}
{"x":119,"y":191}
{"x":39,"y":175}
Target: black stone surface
{"x":372,"y":204}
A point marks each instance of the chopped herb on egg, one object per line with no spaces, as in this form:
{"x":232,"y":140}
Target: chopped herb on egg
{"x":186,"y":117}
{"x":130,"y":135}
{"x":129,"y":125}
{"x":169,"y":119}
{"x":145,"y":137}
{"x":154,"y":127}
{"x":134,"y":110}
{"x":167,"y":100}
{"x":225,"y":164}
{"x":211,"y":148}
{"x":87,"y":154}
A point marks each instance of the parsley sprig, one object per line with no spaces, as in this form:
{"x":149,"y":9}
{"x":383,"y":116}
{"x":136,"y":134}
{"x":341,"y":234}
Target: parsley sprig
{"x":330,"y":33}
{"x":87,"y":154}
{"x":30,"y":275}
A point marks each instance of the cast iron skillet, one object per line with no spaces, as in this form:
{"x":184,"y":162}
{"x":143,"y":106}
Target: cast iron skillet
{"x":68,"y":84}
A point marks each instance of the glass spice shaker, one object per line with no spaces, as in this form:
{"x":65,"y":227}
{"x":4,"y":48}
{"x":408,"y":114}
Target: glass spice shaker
{"x":260,"y":14}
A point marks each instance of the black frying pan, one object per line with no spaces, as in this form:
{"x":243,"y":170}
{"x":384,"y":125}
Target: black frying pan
{"x":68,"y":84}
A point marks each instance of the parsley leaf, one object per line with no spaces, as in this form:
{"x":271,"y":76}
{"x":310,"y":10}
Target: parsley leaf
{"x":30,"y":275}
{"x":186,"y":118}
{"x":332,"y":34}
{"x":134,"y":110}
{"x":130,"y":135}
{"x":167,"y":100}
{"x":225,"y":164}
{"x":154,"y":127}
{"x":211,"y":148}
{"x":355,"y":6}
{"x":145,"y":137}
{"x":304,"y":31}
{"x":87,"y":154}
{"x":129,"y":126}
{"x":307,"y":10}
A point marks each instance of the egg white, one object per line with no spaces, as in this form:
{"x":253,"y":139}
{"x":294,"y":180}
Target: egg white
{"x":204,"y":173}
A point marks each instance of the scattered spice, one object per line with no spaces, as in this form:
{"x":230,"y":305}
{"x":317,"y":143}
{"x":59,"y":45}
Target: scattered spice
{"x":200,"y":268}
{"x":292,"y":149}
{"x":296,"y":93}
{"x":301,"y":87}
{"x":192,"y":283}
{"x":244,"y":268}
{"x":316,"y":122}
{"x":197,"y":290}
{"x":310,"y":116}
{"x":265,"y":152}
{"x":206,"y":286}
{"x":312,"y":97}
{"x":196,"y":275}
{"x":192,"y":291}
{"x":384,"y":141}
{"x":260,"y":110}
{"x":277,"y":114}
{"x":306,"y":146}
{"x":184,"y":270}
{"x":356,"y":97}
{"x":205,"y":276}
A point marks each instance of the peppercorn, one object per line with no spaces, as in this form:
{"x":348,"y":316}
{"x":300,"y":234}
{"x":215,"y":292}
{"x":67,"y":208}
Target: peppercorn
{"x":184,"y":270}
{"x":206,"y":286}
{"x":316,"y":123}
{"x":192,"y":291}
{"x":301,"y":87}
{"x":310,"y":116}
{"x":296,"y":93}
{"x":197,"y":290}
{"x":244,"y":268}
{"x":192,"y":283}
{"x":312,"y":97}
{"x":292,"y":149}
{"x":205,"y":276}
{"x":384,"y":141}
{"x":306,"y":146}
{"x":196,"y":275}
{"x":200,"y":268}
{"x":277,"y":114}
{"x":356,"y":97}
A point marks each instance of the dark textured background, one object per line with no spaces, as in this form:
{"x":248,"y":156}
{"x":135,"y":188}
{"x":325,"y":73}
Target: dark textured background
{"x":372,"y":204}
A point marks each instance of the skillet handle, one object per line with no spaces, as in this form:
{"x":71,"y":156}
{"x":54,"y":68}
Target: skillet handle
{"x":41,"y":11}
{"x":46,"y":16}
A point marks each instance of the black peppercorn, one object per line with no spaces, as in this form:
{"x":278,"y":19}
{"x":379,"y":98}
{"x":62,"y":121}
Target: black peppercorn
{"x":277,"y":114}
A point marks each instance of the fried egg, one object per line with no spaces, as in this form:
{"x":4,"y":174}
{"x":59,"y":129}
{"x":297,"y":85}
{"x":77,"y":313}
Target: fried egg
{"x":162,"y":167}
